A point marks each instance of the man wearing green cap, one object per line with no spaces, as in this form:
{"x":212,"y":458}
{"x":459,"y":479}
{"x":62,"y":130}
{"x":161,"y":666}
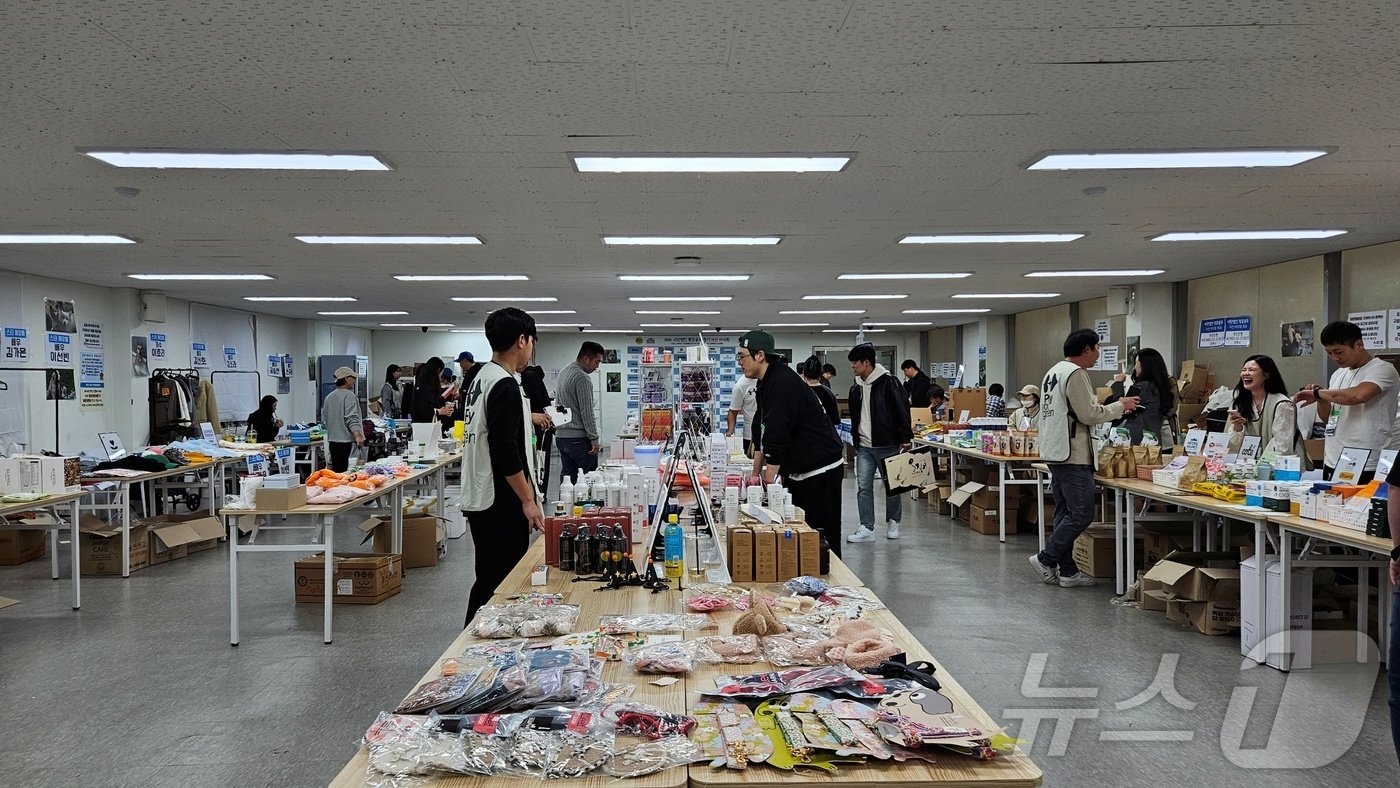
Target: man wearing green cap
{"x":794,"y":437}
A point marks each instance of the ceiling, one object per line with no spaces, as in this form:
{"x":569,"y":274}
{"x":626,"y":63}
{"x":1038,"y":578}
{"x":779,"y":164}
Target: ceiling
{"x":477,"y":103}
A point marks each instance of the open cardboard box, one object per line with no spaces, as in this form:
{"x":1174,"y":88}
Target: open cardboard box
{"x":175,"y":536}
{"x":100,"y":546}
{"x":421,"y":536}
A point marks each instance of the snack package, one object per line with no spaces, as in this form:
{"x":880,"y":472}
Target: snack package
{"x":524,"y":620}
{"x":676,"y":657}
{"x":730,"y":649}
{"x":652,"y":623}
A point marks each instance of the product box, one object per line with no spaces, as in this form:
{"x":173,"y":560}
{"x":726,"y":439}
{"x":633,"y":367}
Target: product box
{"x":1094,"y":552}
{"x":10,"y":481}
{"x":421,"y":537}
{"x":989,"y":497}
{"x":51,"y":475}
{"x":1207,"y":618}
{"x":740,"y":554}
{"x":358,"y":579}
{"x":280,"y":499}
{"x":18,"y":547}
{"x":1198,"y":577}
{"x":809,"y":551}
{"x":788,"y":548}
{"x":987,"y":521}
{"x":100,"y":546}
{"x":765,"y":556}
{"x":919,"y":416}
{"x":174,"y":536}
{"x":281,"y":481}
{"x":1252,"y":630}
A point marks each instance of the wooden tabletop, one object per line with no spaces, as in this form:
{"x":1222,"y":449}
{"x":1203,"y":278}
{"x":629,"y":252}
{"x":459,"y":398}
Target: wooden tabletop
{"x":8,"y":509}
{"x":332,"y":509}
{"x":1203,"y":503}
{"x":1333,"y":533}
{"x":951,"y":769}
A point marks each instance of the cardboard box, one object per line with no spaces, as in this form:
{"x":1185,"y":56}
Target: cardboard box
{"x":787,"y":544}
{"x":765,"y":556}
{"x":174,"y":536}
{"x":937,"y":497}
{"x":18,"y":547}
{"x":919,"y":416}
{"x":1176,"y":612}
{"x":1252,"y":630}
{"x":1160,"y":539}
{"x":100,"y":546}
{"x":809,"y":552}
{"x":740,"y":556}
{"x":1094,"y":551}
{"x":1198,"y":577}
{"x":421,"y":536}
{"x":358,"y":579}
{"x":1316,"y":449}
{"x":987,"y":521}
{"x":974,"y":471}
{"x":1191,"y":384}
{"x":1030,"y":514}
{"x":1154,"y":601}
{"x":989,"y":497}
{"x":1211,"y":618}
{"x":280,"y":498}
{"x":1188,"y":415}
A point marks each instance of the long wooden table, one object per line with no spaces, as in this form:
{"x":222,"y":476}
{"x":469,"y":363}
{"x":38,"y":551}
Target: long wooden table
{"x":950,"y":770}
{"x":52,"y":504}
{"x":1003,"y":464}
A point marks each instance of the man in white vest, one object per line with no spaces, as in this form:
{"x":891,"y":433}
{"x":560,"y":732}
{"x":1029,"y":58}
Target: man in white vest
{"x":1068,"y":411}
{"x":500,"y":496}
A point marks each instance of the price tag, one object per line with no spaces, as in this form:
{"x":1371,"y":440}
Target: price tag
{"x":207,"y":431}
{"x":284,"y":459}
{"x":199,"y":355}
{"x":61,"y":349}
{"x":17,"y":345}
{"x":257,"y":465}
{"x":157,"y":347}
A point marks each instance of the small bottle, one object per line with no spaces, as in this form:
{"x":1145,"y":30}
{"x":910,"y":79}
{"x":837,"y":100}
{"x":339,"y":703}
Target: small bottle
{"x":566,"y":491}
{"x":675,"y":548}
{"x":620,"y":544}
{"x":566,"y":549}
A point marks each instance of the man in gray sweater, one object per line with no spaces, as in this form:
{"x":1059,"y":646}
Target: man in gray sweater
{"x":578,"y":440}
{"x":340,"y":414}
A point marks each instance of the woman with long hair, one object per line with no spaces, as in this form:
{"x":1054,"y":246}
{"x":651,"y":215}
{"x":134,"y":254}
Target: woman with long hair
{"x":390,"y":398}
{"x":263,"y":422}
{"x":427,"y":392}
{"x":1152,"y":385}
{"x":1264,"y":409}
{"x":811,"y":372}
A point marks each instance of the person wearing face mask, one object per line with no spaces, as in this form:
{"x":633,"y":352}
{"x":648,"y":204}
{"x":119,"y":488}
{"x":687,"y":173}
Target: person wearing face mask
{"x":1358,"y":403}
{"x":1264,"y":410}
{"x":1024,"y":417}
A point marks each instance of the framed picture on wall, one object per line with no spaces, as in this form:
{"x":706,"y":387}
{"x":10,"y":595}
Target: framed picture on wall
{"x":1296,"y":339}
{"x":610,"y":356}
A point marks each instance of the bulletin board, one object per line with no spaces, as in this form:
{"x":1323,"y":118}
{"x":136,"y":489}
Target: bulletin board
{"x":220,"y":328}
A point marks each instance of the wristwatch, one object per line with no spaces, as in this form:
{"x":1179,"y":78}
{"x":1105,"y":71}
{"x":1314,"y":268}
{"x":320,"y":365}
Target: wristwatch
{"x":1316,"y":389}
{"x":1395,"y":553}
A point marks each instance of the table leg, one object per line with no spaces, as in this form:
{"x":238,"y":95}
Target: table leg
{"x":396,"y":519}
{"x":1363,"y":596}
{"x":1001,"y":498}
{"x":1040,"y":509}
{"x":53,"y":552}
{"x":1261,"y":548}
{"x":231,"y":524}
{"x":1121,"y":571}
{"x":330,"y":574}
{"x":442,"y":492}
{"x":1129,"y":545}
{"x":125,"y":498}
{"x":73,"y":517}
{"x":216,"y":479}
{"x":1285,"y":569}
{"x":1195,"y":532}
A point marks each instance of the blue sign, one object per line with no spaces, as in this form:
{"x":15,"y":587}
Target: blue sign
{"x":1212,"y":333}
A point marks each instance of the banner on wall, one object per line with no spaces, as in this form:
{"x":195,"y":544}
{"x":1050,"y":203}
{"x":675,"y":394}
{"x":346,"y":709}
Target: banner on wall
{"x":1395,"y":328}
{"x":1212,"y":333}
{"x":1237,"y":331}
{"x":230,"y":358}
{"x":92,"y":336}
{"x":157,"y":348}
{"x":60,"y":349}
{"x":199,"y":355}
{"x":16,"y":345}
{"x":1372,"y":325}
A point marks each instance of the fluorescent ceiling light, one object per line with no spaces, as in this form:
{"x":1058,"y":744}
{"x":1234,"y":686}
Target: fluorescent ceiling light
{"x":299,"y":298}
{"x":683,"y":277}
{"x":399,"y":240}
{"x":1249,"y":235}
{"x":614,"y":331}
{"x":709,"y":163}
{"x":691,"y":240}
{"x":678,"y":312}
{"x":853,"y":330}
{"x":416,"y":325}
{"x":822,"y":312}
{"x":1177,"y":159}
{"x":993,"y":238}
{"x":679,"y":298}
{"x":238,"y":160}
{"x":904,"y":276}
{"x":1007,"y":295}
{"x":505,"y":298}
{"x":944,"y":311}
{"x":202,"y":277}
{"x":349,"y":314}
{"x":63,"y":238}
{"x":562,"y":325}
{"x":792,"y":325}
{"x":852,"y":297}
{"x":462,"y":277}
{"x":549,"y":312}
{"x":922,"y":323}
{"x":675,"y":325}
{"x":1100,"y":274}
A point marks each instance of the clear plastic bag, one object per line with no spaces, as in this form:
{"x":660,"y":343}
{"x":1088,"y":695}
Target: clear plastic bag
{"x":557,"y":743}
{"x":671,"y":657}
{"x":394,"y":742}
{"x":783,"y":682}
{"x":729,"y":649}
{"x":646,"y":721}
{"x":653,"y":756}
{"x":706,"y":597}
{"x":524,"y":621}
{"x":792,"y":649}
{"x":653,"y":623}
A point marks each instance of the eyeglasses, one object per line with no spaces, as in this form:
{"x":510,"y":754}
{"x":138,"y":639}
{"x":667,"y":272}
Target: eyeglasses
{"x":745,"y":356}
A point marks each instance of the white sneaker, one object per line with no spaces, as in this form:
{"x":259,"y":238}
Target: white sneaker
{"x":1076,"y":580}
{"x":892,"y":531}
{"x":1048,"y":574}
{"x":862,"y":534}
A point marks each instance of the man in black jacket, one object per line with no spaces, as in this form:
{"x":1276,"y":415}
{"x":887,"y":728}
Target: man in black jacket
{"x":916,"y":384}
{"x":794,"y":437}
{"x":880,"y":428}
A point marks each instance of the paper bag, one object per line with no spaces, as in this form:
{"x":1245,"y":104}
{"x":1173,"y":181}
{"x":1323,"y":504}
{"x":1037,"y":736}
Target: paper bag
{"x":1103,"y":467}
{"x":1152,"y":456}
{"x":909,"y":470}
{"x":1195,"y":471}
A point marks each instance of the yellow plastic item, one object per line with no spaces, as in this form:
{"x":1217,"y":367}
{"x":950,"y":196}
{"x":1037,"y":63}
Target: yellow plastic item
{"x":458,"y":430}
{"x":1220,"y":492}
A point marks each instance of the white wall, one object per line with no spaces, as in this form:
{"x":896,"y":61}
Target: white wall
{"x":971,"y":343}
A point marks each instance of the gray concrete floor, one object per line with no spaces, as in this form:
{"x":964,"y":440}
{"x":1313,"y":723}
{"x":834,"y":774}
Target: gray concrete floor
{"x":141,"y":687}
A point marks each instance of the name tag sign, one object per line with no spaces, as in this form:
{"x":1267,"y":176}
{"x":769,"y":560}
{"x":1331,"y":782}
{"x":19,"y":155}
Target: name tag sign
{"x":257,"y":465}
{"x":206,"y":430}
{"x":284,"y":459}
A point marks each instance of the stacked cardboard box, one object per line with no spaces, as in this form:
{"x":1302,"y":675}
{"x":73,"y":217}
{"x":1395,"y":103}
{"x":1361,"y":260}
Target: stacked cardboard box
{"x":1094,"y":552}
{"x":1201,"y":590}
{"x":17,"y":547}
{"x":358,"y":579}
{"x":772,"y":553}
{"x":423,"y":538}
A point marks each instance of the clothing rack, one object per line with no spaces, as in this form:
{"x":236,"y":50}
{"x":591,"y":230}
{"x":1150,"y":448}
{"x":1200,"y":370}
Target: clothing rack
{"x":167,"y":372}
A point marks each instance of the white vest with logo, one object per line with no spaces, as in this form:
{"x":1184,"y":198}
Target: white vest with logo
{"x":1057,"y":423}
{"x":478,"y":479}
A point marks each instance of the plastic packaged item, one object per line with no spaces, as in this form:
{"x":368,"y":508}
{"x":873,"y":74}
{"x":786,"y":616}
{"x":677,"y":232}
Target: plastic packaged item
{"x":806,"y":585}
{"x":652,"y":623}
{"x":792,"y":649}
{"x":438,"y":693}
{"x":653,"y":756}
{"x":763,"y":685}
{"x":557,"y":743}
{"x":729,"y":649}
{"x":707,"y":597}
{"x":524,"y":620}
{"x":673,"y":657}
{"x":728,"y":735}
{"x":646,"y":721}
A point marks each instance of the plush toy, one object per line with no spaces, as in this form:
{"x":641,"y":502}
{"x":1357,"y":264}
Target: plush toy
{"x":760,"y":620}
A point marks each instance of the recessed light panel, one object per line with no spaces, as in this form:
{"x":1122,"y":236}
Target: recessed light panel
{"x":684,"y":277}
{"x":392,"y":240}
{"x":1007,"y":295}
{"x":239,"y":160}
{"x":709,"y":163}
{"x":362,"y":314}
{"x":63,"y":238}
{"x":1174,"y":159}
{"x":201,"y":277}
{"x":691,"y":240}
{"x":1250,"y":235}
{"x":644,"y":299}
{"x":944,"y":311}
{"x":1106,"y":274}
{"x":852,"y":297}
{"x":924,"y":275}
{"x":462,"y":277}
{"x":299,"y":298}
{"x":993,"y":238}
{"x":544,"y":299}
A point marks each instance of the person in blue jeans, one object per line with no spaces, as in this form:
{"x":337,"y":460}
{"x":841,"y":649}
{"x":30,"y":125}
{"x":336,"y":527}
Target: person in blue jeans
{"x":1392,"y":662}
{"x":578,"y":440}
{"x":880,"y":428}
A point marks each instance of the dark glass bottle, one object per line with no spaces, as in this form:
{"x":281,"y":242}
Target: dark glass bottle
{"x":566,"y":548}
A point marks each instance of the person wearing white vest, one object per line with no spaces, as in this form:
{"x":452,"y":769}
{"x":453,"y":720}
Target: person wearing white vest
{"x":1068,"y":409}
{"x":500,"y":483}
